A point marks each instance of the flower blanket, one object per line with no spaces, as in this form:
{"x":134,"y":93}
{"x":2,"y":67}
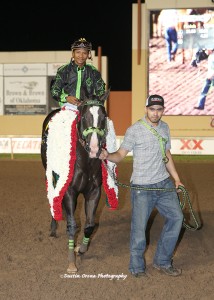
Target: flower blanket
{"x":61,"y":156}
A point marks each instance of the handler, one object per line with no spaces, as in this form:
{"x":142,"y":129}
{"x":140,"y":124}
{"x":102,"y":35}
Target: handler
{"x":149,"y":139}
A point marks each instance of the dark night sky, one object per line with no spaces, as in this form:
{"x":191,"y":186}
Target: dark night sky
{"x":31,"y":27}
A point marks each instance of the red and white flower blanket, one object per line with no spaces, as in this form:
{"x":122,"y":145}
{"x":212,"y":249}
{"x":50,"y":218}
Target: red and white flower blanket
{"x":61,"y":157}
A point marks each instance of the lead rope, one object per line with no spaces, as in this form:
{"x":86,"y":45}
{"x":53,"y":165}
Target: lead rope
{"x":182,"y":199}
{"x":186,"y":198}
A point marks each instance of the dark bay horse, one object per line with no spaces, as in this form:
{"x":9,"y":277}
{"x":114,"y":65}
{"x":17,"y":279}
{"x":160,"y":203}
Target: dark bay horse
{"x":91,"y":130}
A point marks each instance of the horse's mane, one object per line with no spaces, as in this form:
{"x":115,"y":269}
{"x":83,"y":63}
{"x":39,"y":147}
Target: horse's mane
{"x":84,"y":96}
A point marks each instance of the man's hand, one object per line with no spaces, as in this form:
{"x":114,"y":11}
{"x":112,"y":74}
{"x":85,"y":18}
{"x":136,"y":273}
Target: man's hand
{"x":103,"y":154}
{"x":177,"y":184}
{"x":73,"y":100}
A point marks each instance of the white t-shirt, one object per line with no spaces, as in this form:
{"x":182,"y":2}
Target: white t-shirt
{"x":168,"y":18}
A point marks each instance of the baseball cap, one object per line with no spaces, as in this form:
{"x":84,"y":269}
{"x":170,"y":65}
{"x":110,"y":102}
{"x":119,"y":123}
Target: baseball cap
{"x":154,"y":100}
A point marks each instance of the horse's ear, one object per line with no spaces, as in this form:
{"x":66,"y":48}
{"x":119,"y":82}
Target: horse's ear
{"x":105,"y":95}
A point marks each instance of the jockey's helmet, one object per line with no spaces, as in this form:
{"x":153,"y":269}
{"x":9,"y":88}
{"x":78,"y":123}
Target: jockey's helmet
{"x":81,"y":43}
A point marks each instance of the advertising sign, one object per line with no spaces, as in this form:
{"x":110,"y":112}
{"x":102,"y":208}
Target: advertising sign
{"x":52,"y":68}
{"x":20,"y":145}
{"x":1,"y":69}
{"x":193,"y":146}
{"x":25,"y":95}
{"x":185,"y":146}
{"x":25,"y":69}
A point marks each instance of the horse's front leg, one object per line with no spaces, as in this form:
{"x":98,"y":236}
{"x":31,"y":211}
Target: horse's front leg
{"x":91,"y":202}
{"x":69,"y":203}
{"x":53,"y":227}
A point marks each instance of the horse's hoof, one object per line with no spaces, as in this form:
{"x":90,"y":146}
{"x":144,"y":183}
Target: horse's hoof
{"x":53,"y":234}
{"x":77,"y":249}
{"x":71,"y":268}
{"x":78,"y":252}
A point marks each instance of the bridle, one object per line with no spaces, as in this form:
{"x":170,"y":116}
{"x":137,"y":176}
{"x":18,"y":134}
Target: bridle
{"x":91,"y":129}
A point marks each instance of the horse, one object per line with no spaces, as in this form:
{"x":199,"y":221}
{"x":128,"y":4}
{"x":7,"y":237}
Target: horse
{"x":90,"y":127}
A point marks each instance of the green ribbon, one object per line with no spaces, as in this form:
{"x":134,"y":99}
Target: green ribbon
{"x":162,"y":141}
{"x":79,"y":79}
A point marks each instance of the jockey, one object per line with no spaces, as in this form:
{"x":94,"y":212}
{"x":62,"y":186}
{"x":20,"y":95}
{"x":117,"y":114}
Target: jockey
{"x":77,"y":77}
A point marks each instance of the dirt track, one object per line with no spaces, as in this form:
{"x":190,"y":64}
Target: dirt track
{"x":33,"y":265}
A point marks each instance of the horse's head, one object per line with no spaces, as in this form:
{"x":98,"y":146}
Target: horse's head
{"x":92,"y":124}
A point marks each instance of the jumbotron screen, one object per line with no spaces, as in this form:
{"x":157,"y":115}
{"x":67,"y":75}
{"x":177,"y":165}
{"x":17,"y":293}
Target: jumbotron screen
{"x":181,"y":60}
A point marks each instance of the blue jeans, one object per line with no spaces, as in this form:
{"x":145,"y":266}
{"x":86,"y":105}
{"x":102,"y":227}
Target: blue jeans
{"x":143,"y":202}
{"x":171,"y":42}
{"x":204,"y":92}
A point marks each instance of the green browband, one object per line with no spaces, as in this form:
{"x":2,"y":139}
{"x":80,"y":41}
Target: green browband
{"x":88,"y":130}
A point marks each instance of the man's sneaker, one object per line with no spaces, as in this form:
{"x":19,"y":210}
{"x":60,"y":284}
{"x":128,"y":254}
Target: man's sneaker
{"x":171,"y":271}
{"x":139,"y":274}
{"x":198,"y":107}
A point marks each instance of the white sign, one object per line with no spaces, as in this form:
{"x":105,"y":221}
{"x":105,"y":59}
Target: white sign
{"x":193,"y":146}
{"x":25,"y":69}
{"x":52,"y":68}
{"x":185,"y":146}
{"x":25,"y":90}
{"x":1,"y":69}
{"x":20,"y":145}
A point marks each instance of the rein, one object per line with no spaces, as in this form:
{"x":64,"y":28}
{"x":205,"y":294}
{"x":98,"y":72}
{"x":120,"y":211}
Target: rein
{"x":92,"y":102}
{"x":185,"y":197}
